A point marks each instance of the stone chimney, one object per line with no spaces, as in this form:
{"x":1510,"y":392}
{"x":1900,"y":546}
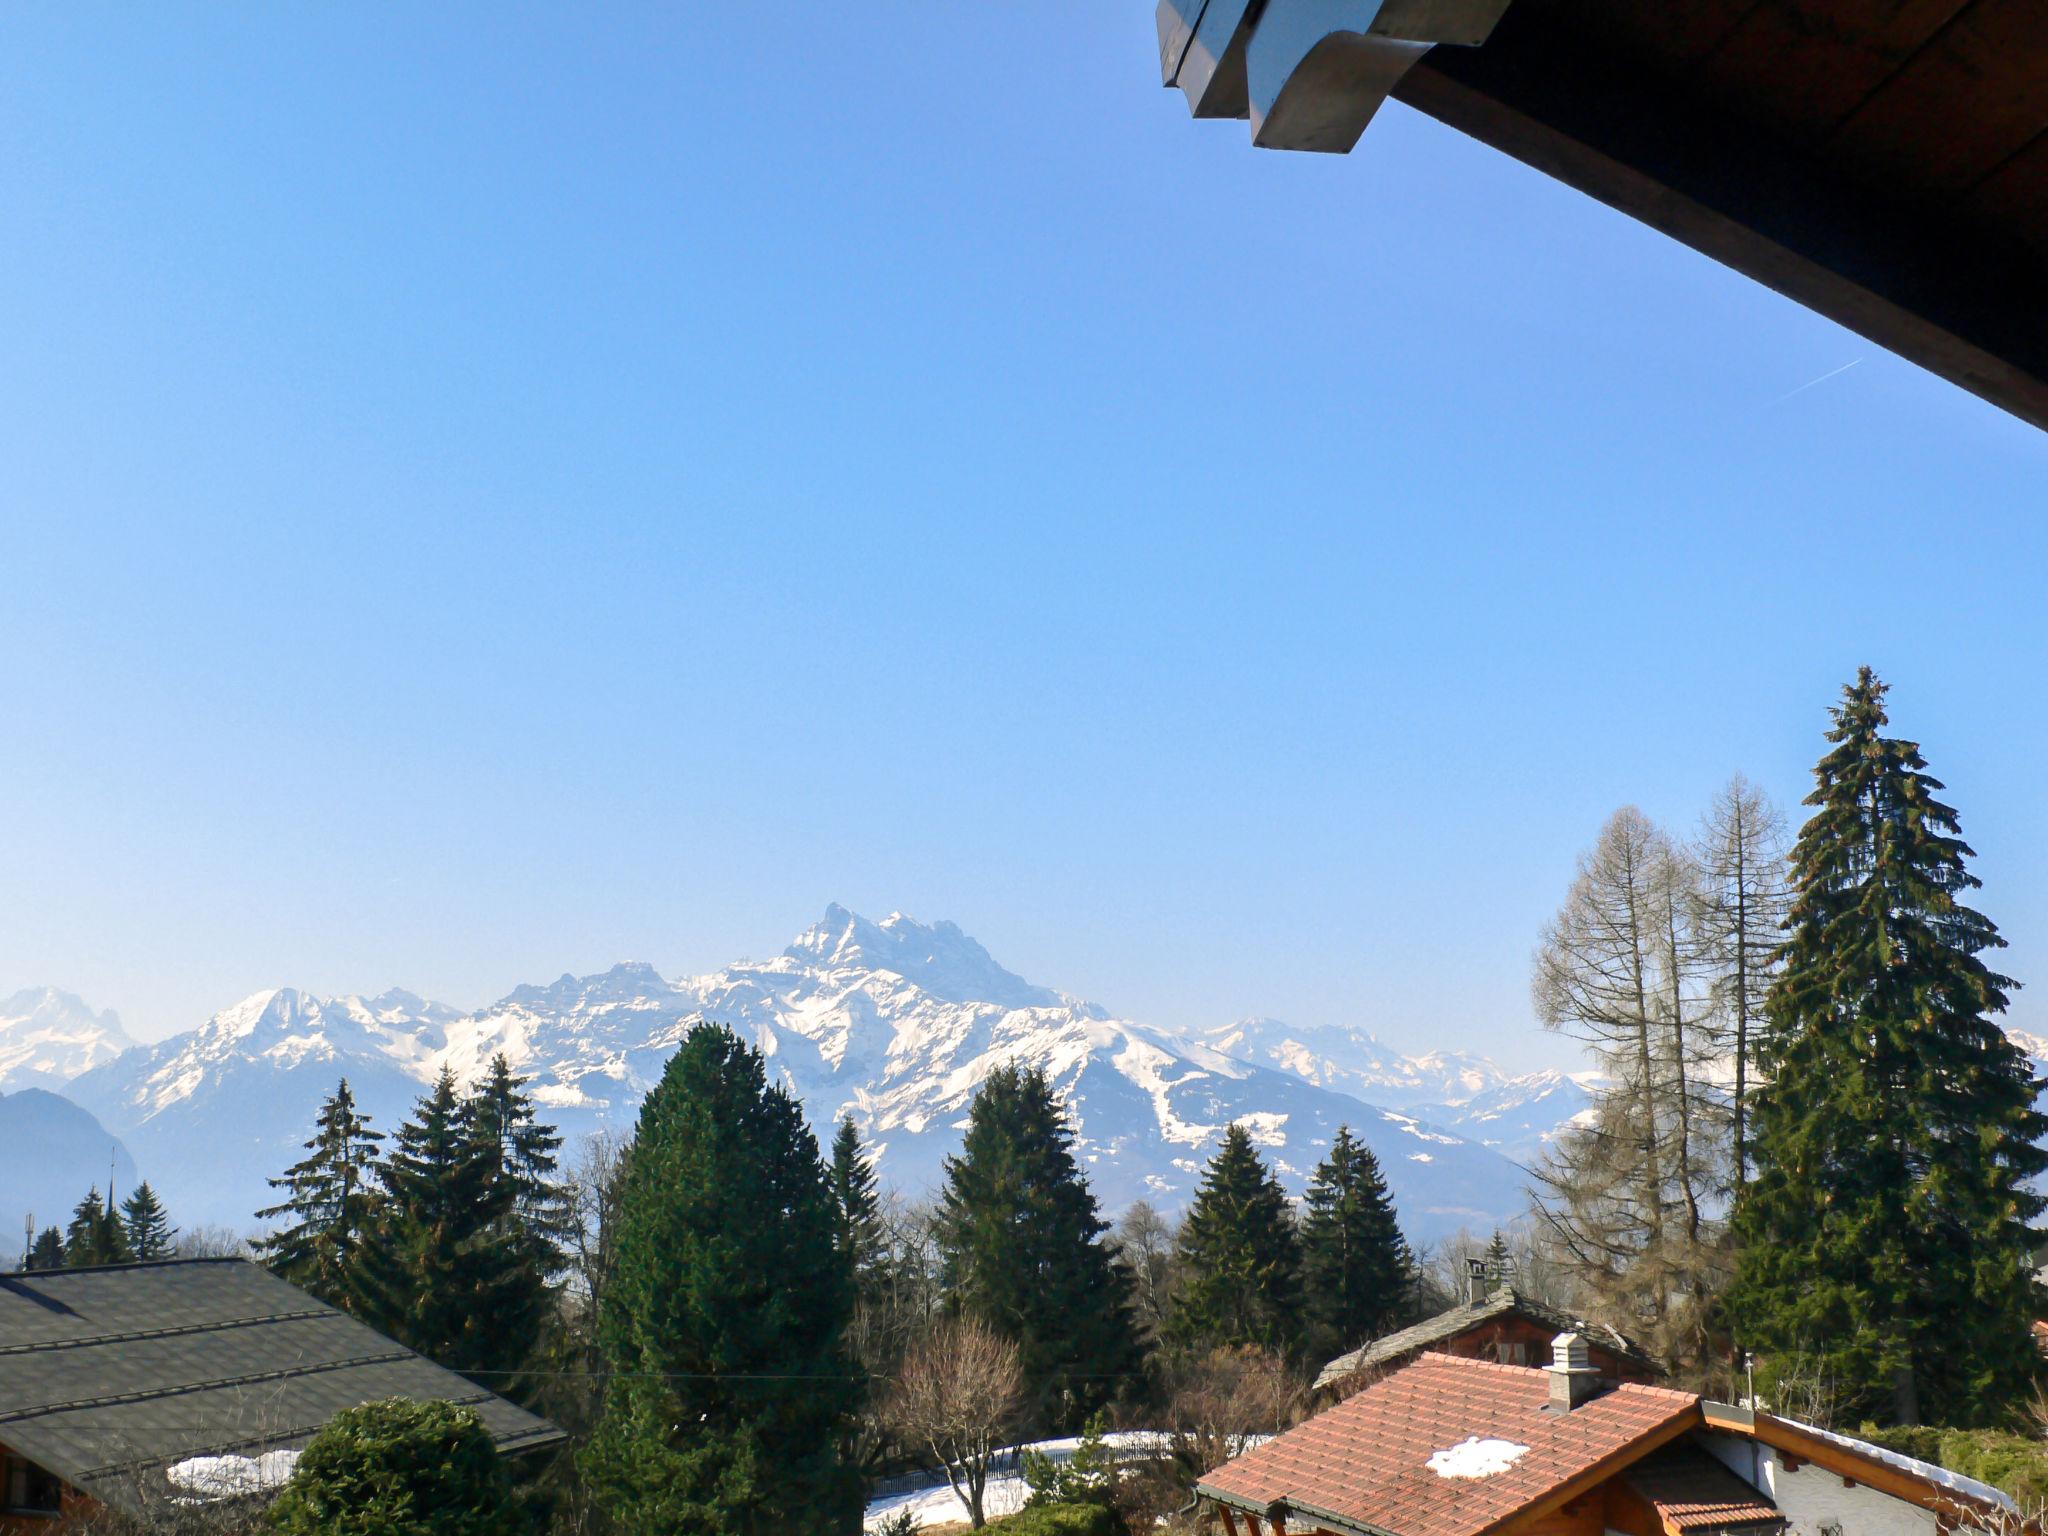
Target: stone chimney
{"x":1475,"y":1282}
{"x":1573,"y":1379}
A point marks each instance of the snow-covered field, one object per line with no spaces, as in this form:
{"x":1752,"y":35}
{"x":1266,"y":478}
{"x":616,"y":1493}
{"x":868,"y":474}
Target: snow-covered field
{"x":1006,"y":1492}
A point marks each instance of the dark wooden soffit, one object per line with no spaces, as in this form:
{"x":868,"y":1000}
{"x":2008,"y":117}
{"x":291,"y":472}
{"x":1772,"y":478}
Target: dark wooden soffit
{"x":1884,"y":162}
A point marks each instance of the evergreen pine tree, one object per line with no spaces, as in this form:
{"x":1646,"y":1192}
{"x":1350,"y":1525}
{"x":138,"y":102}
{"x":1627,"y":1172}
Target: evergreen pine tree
{"x":730,"y":1386}
{"x":860,"y":1209}
{"x":1357,"y":1271}
{"x":441,"y":1251}
{"x":530,"y":1221}
{"x":330,"y":1194}
{"x":523,"y":1156}
{"x":1500,"y":1263}
{"x":1885,"y":1235}
{"x":1240,"y":1257}
{"x":148,"y":1230}
{"x":94,"y":1235}
{"x":47,"y":1252}
{"x":1022,"y":1250}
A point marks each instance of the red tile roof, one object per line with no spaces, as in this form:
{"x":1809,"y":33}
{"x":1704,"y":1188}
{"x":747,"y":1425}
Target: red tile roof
{"x":1365,"y":1462}
{"x":1691,"y":1491}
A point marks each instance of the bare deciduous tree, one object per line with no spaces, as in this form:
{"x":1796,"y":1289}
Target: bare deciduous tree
{"x":1746,"y":892}
{"x":1220,"y":1404}
{"x":960,"y":1390}
{"x":1628,"y":1197}
{"x":1144,"y":1242}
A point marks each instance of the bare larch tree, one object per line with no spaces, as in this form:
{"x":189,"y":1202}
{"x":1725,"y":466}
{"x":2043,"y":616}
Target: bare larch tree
{"x":1747,"y":892}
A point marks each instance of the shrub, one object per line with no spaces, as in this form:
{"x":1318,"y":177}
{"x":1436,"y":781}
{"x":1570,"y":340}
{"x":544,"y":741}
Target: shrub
{"x":1089,"y":1476}
{"x":2014,"y":1464}
{"x":1061,"y":1520}
{"x":398,"y":1468}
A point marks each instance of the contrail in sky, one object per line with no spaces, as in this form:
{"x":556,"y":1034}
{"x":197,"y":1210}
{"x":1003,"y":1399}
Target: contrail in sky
{"x":1831,"y":373}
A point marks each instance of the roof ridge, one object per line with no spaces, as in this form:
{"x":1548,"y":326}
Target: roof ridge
{"x":1475,"y":1363}
{"x":99,"y":1269}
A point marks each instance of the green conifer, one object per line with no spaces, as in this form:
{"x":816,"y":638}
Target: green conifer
{"x":730,"y":1387}
{"x":1240,"y":1257}
{"x":1022,"y":1249}
{"x":94,"y":1235}
{"x":328,"y":1205}
{"x":530,"y":1222}
{"x":148,"y":1230}
{"x":1885,"y":1237}
{"x":860,"y":1209}
{"x":435,"y":1270}
{"x":47,"y":1252}
{"x":1500,"y":1262}
{"x":1357,"y":1271}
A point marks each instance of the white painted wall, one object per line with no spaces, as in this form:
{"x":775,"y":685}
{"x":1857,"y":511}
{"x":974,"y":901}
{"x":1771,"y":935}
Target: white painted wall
{"x":1813,"y":1498}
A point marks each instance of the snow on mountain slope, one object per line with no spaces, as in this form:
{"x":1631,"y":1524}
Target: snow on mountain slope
{"x":895,"y":1022}
{"x":1355,"y":1062}
{"x":48,"y":1037}
{"x":212,"y":1114}
{"x":898,"y":1022}
{"x":1517,"y":1115}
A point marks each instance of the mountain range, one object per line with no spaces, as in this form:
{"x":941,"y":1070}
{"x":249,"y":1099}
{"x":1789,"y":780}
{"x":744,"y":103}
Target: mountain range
{"x":894,"y":1022}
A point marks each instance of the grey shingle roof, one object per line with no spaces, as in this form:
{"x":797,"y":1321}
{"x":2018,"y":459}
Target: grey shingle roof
{"x":108,"y":1375}
{"x":1391,"y":1348}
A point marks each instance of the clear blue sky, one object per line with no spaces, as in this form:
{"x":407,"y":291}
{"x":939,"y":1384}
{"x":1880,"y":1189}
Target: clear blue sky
{"x":496,"y":490}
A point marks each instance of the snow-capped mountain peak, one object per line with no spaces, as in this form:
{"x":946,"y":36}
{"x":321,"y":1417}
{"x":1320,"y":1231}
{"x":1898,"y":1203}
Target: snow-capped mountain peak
{"x":897,"y":1022}
{"x":935,"y":957}
{"x":49,"y":1036}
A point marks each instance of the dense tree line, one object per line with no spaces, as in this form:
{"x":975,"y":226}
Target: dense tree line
{"x":101,"y":1231}
{"x":1815,"y":1145}
{"x":448,"y":1236}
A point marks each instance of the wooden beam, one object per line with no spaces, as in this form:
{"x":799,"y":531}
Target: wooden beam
{"x":1601,"y":1470}
{"x":1958,"y":301}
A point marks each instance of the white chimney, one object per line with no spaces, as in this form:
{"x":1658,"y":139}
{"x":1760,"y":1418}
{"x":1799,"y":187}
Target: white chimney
{"x":1573,"y":1378}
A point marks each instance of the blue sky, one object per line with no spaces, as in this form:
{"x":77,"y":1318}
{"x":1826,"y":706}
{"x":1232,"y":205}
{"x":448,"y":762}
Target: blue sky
{"x":498,"y":490}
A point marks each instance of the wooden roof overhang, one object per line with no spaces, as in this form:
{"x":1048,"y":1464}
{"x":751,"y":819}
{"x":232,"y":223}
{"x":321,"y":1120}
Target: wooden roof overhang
{"x":1953,"y":1508}
{"x":1884,"y":162}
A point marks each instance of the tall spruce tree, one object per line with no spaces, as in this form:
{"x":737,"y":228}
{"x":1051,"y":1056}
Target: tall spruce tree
{"x":1500,"y":1260}
{"x":1885,"y":1234}
{"x":530,"y":1222}
{"x":444,"y":1269}
{"x":1357,"y":1271}
{"x":330,"y":1196}
{"x":729,"y":1387}
{"x":1021,"y":1241}
{"x":859,"y":1203}
{"x":522,"y":1163}
{"x":47,"y":1252}
{"x":148,"y":1230}
{"x":1240,"y":1257}
{"x":94,"y":1235}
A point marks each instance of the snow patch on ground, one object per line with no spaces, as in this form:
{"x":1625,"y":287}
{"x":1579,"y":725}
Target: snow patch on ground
{"x":205,"y":1478}
{"x":1006,"y":1492}
{"x":1477,"y":1458}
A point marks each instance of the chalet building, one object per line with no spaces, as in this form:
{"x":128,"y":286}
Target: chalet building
{"x":1453,"y":1446}
{"x":189,"y":1379}
{"x":1501,"y":1325}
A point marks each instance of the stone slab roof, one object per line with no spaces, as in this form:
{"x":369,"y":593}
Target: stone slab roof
{"x":1392,"y":1348}
{"x":108,"y":1375}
